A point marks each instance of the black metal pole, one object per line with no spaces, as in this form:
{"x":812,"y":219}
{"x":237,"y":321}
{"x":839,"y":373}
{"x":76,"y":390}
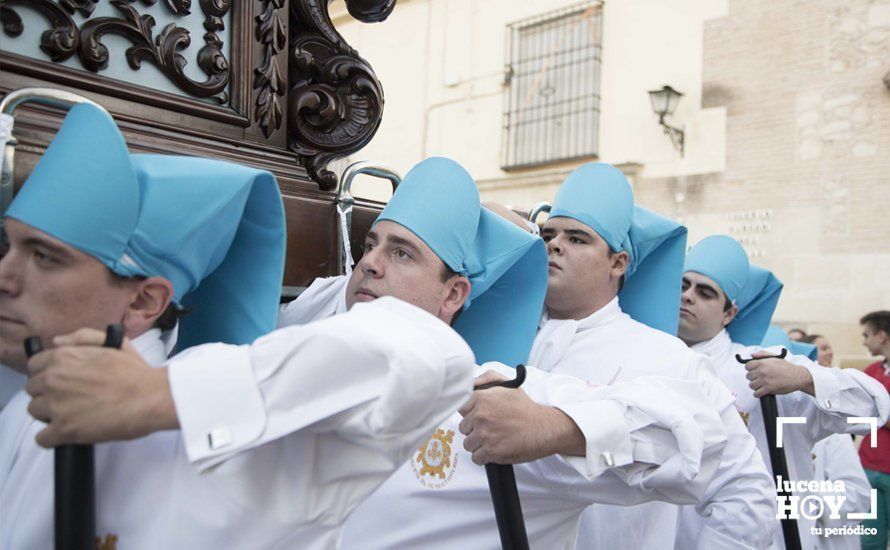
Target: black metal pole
{"x":75,"y":497}
{"x":777,"y":459}
{"x":770,"y":410}
{"x":74,"y":481}
{"x":502,"y":485}
{"x":507,"y":506}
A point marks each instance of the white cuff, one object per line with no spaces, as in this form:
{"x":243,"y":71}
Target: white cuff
{"x":827,"y":388}
{"x":218,"y":404}
{"x":607,"y":433}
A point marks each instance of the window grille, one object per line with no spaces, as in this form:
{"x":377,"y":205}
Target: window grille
{"x":552,"y":98}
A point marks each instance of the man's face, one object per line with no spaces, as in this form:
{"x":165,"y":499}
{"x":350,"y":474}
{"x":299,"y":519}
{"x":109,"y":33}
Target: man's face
{"x":48,"y":288}
{"x":702,"y":313}
{"x":583,"y":273}
{"x":397,"y":263}
{"x":873,"y":340}
{"x":826,"y":353}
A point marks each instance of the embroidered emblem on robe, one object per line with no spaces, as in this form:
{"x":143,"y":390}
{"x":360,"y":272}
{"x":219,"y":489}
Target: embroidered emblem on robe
{"x":436,"y":460}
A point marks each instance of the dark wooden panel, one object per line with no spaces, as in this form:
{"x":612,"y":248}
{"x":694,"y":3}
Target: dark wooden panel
{"x":312,"y":237}
{"x":311,"y":240}
{"x":298,"y":97}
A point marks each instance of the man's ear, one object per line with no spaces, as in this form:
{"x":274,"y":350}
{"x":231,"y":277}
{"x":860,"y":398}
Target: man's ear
{"x":458,"y":292}
{"x":730,"y":314}
{"x":152,"y":297}
{"x":619,"y":260}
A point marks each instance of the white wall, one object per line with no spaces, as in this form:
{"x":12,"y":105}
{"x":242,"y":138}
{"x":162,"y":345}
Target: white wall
{"x":442,"y":68}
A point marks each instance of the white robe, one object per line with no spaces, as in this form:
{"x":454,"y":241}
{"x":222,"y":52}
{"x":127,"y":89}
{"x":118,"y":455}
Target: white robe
{"x":349,"y":399}
{"x":836,"y":458}
{"x":449,"y":506}
{"x":609,"y":346}
{"x":10,"y":383}
{"x":440,"y":499}
{"x":840,"y":394}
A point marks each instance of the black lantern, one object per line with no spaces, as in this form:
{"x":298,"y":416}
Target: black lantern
{"x":664,"y":101}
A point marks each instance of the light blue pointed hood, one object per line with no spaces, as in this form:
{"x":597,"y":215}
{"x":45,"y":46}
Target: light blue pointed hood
{"x":776,"y":336}
{"x":723,"y":260}
{"x":215,"y":230}
{"x":754,"y":290}
{"x":507,"y":267}
{"x":599,"y":196}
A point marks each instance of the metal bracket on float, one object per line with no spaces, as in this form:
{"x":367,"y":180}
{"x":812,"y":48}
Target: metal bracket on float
{"x":50,"y":97}
{"x":345,"y":202}
{"x":537,"y":210}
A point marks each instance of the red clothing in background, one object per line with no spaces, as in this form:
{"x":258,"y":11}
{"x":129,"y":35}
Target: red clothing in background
{"x":877,"y":458}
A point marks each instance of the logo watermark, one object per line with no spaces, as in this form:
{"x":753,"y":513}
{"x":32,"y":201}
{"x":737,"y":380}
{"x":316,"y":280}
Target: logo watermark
{"x":870,"y":420}
{"x":856,"y":530}
{"x":814,"y":500}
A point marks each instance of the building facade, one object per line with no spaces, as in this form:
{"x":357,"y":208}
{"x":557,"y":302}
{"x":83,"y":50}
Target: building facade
{"x":785,"y":116}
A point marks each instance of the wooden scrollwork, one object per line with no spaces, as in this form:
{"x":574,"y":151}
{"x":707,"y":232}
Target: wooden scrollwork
{"x":84,"y":7}
{"x":164,"y":50}
{"x":335,"y":101}
{"x":59,"y":42}
{"x":304,"y":78}
{"x":267,"y":78}
{"x":371,"y":11}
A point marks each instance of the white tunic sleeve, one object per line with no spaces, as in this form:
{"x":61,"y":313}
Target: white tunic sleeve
{"x":381,"y":376}
{"x":840,"y":394}
{"x":325,"y":297}
{"x":653,"y":438}
{"x":737,"y":510}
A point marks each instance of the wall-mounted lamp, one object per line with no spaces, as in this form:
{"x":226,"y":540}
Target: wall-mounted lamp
{"x":664,"y":101}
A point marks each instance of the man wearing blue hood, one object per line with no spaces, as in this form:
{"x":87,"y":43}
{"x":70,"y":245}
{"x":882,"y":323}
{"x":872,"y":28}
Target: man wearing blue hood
{"x":614,"y":274}
{"x":99,"y":236}
{"x":726,"y":309}
{"x":440,"y":498}
{"x":435,"y":246}
{"x":835,"y":459}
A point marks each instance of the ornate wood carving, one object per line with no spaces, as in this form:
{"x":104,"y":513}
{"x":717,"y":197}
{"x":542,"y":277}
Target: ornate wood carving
{"x":164,"y":50}
{"x":60,"y":42}
{"x":371,"y":11}
{"x":337,"y":96}
{"x":296,"y":85}
{"x":335,"y":102}
{"x":179,"y":7}
{"x":268,"y":80}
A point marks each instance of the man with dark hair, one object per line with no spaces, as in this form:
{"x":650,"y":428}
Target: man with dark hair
{"x":876,"y":332}
{"x":875,"y":455}
{"x":610,"y":315}
{"x":235,"y":405}
{"x":97,"y":236}
{"x":716,"y":269}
